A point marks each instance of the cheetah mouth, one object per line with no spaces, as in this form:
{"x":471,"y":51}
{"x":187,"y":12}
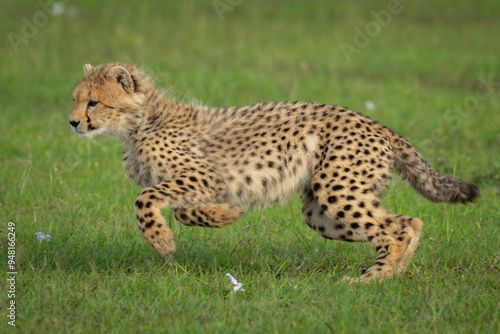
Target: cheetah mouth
{"x":80,"y":133}
{"x":91,"y":132}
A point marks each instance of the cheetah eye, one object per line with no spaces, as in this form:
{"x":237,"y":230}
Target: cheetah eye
{"x":93,"y":103}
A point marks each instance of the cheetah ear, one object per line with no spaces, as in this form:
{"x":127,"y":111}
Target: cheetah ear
{"x":122,"y":76}
{"x":87,"y":68}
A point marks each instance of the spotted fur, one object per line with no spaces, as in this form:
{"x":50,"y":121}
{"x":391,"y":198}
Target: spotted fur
{"x":205,"y":163}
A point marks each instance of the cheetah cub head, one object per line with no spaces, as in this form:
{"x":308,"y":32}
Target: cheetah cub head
{"x":109,"y":100}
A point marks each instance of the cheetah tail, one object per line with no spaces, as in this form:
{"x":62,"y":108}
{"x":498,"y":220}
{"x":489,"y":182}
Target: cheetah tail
{"x":432,"y":185}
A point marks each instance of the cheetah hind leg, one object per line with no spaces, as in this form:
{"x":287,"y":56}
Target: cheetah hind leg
{"x":209,"y":215}
{"x":402,"y":247}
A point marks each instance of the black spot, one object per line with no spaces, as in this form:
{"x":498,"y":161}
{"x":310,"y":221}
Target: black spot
{"x":356,"y":215}
{"x":382,"y":256}
{"x":354,"y":225}
{"x":332,"y":199}
{"x":350,"y":198}
{"x":139,"y":204}
{"x":316,"y":186}
{"x":340,"y":214}
{"x":193,"y":179}
{"x":343,"y":237}
{"x":368,"y":225}
{"x":184,"y":216}
{"x":149,"y":224}
{"x":347,"y":207}
{"x":179,"y":182}
{"x":337,"y":187}
{"x":148,"y":204}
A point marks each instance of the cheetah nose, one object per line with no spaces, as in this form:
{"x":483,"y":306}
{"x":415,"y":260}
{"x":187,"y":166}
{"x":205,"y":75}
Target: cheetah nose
{"x":74,"y":123}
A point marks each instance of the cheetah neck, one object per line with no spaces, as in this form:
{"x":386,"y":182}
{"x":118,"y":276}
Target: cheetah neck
{"x":153,"y":111}
{"x":160,"y":118}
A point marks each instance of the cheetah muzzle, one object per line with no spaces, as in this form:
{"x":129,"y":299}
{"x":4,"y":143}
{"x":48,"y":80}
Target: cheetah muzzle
{"x":205,"y":163}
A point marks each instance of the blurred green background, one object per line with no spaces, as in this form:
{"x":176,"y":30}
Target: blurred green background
{"x":427,"y":69}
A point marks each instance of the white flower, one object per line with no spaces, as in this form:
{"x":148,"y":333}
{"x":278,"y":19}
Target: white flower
{"x":237,"y":285}
{"x":42,"y":236}
{"x":370,"y":106}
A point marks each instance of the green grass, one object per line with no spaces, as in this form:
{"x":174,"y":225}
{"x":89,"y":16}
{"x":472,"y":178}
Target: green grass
{"x":98,"y":275}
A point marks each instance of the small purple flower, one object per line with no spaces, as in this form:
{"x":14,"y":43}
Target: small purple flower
{"x":42,"y":236}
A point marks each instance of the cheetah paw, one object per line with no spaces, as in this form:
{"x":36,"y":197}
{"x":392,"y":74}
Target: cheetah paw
{"x":164,"y":248}
{"x":365,"y":278}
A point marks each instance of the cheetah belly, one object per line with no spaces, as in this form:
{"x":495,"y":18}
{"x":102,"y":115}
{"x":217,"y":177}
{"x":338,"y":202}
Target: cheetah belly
{"x":269,"y":185}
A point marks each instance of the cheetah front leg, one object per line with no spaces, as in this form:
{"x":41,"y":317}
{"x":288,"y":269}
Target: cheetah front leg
{"x":209,"y":215}
{"x":183,"y":191}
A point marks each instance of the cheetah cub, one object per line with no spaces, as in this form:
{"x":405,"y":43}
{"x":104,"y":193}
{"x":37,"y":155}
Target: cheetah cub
{"x":205,"y":163}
